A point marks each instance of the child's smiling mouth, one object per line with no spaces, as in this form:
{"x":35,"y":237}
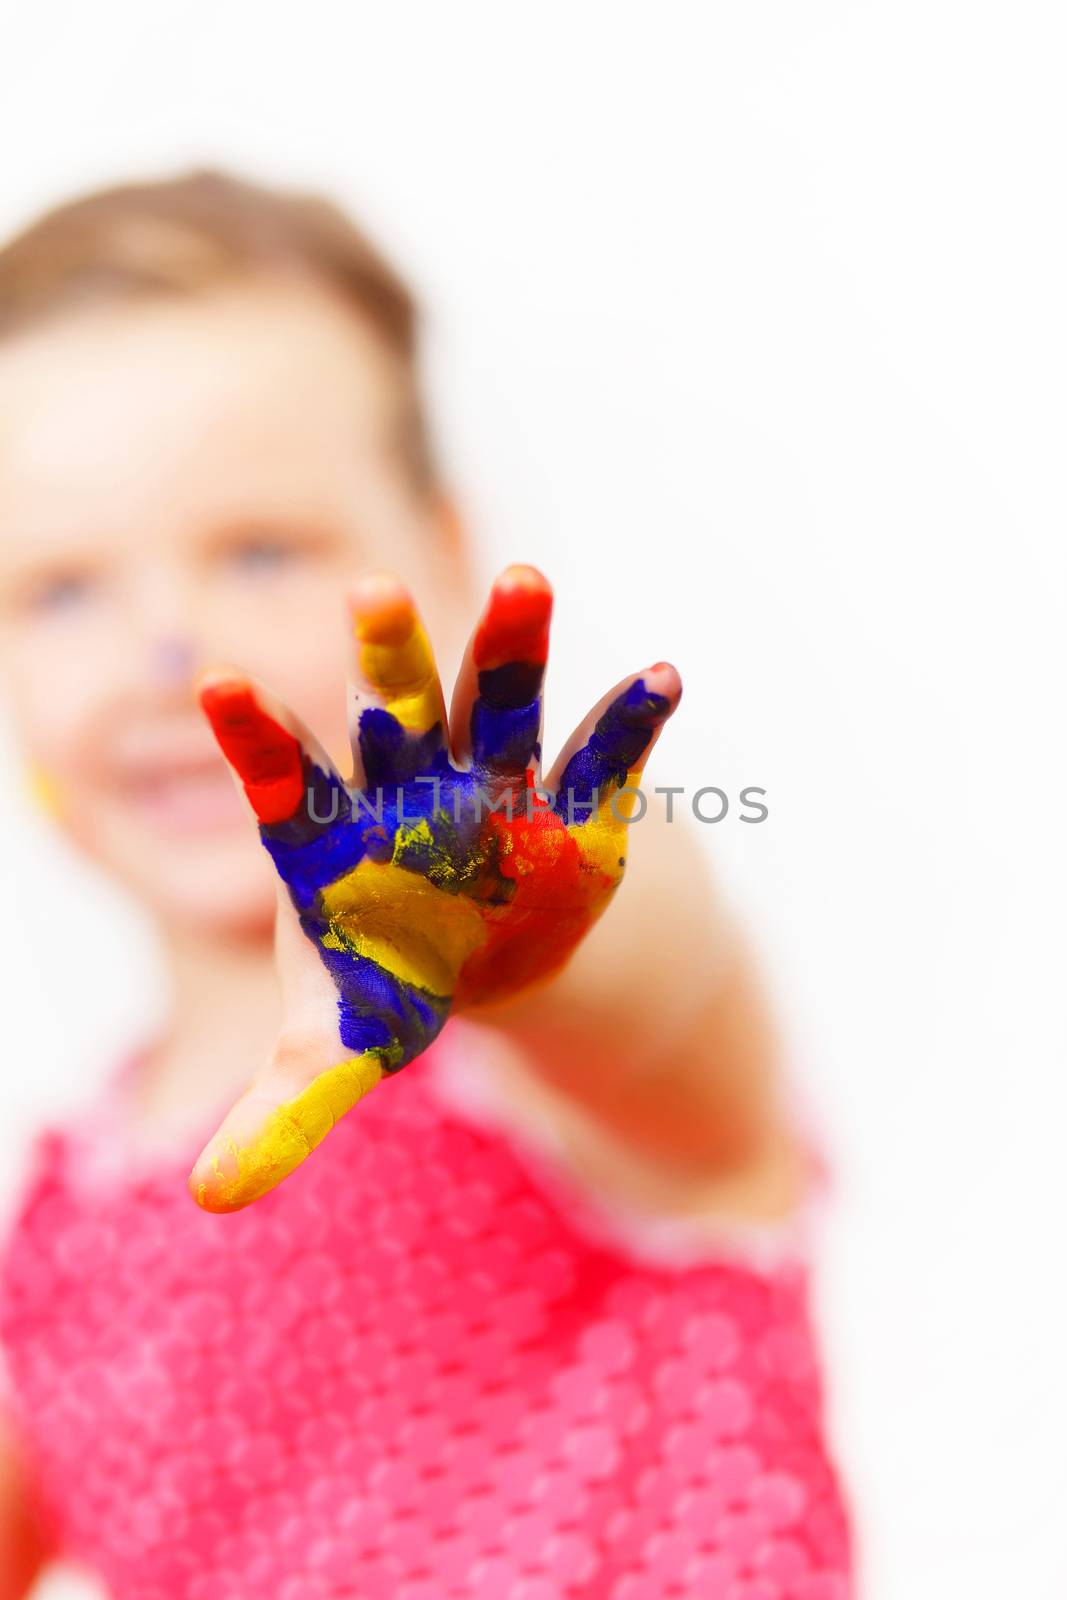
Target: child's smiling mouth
{"x":193,"y":799}
{"x":177,"y":786}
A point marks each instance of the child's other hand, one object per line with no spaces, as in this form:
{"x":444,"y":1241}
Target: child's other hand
{"x":440,"y":877}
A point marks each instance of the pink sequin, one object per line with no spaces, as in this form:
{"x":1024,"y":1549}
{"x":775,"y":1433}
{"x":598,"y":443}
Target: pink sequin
{"x":408,"y":1374}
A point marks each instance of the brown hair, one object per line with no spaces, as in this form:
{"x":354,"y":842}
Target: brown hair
{"x":192,"y":233}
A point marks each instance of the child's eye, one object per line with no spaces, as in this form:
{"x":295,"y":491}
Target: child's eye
{"x":260,"y":554}
{"x":60,"y":592}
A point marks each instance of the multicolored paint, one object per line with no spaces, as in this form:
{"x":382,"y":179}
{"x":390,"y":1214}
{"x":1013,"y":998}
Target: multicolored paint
{"x":434,"y":883}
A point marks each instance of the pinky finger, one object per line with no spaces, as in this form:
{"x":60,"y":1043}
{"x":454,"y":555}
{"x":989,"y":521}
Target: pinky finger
{"x":609,"y":749}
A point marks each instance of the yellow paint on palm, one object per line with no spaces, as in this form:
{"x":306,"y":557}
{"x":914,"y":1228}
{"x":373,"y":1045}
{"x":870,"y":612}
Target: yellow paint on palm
{"x":397,"y":658}
{"x":397,"y":918}
{"x":288,"y":1135}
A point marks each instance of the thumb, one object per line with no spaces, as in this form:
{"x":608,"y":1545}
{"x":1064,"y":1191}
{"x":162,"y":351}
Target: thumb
{"x":280,"y":1118}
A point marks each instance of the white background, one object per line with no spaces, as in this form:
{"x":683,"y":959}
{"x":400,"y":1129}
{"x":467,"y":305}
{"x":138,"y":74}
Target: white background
{"x":748,"y":326}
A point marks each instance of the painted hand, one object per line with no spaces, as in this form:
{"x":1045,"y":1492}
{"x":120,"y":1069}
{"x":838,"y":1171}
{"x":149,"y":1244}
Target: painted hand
{"x":443,"y":876}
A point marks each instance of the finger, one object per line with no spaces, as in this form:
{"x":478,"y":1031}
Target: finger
{"x":298,"y":797}
{"x":396,"y":708}
{"x":279,"y":1120}
{"x":497,"y":707}
{"x":608,"y":751}
{"x":277,"y":762}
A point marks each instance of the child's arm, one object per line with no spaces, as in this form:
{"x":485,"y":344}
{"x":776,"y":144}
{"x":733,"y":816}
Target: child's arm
{"x":658,"y":1030}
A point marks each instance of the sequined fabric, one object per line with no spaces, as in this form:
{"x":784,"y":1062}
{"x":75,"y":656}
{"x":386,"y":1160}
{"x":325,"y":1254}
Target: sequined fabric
{"x":408,"y":1374}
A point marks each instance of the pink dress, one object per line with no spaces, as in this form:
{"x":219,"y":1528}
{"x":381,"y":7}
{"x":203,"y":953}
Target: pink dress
{"x":426,"y":1367}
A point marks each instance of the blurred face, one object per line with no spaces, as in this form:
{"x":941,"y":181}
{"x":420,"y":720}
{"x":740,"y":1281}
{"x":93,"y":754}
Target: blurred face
{"x":183,"y":485}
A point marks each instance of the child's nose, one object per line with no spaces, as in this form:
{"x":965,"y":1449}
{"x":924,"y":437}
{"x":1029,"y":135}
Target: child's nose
{"x":173,"y":659}
{"x":169,"y":639}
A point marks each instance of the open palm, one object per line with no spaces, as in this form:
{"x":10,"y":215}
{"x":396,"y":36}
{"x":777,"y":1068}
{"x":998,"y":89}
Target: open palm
{"x":443,"y":875}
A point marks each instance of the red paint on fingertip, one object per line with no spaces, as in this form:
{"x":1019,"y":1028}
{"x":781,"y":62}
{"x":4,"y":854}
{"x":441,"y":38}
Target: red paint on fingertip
{"x":266,"y":757}
{"x":516,"y":621}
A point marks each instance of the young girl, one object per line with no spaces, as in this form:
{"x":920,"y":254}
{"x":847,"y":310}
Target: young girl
{"x":531,"y":1321}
